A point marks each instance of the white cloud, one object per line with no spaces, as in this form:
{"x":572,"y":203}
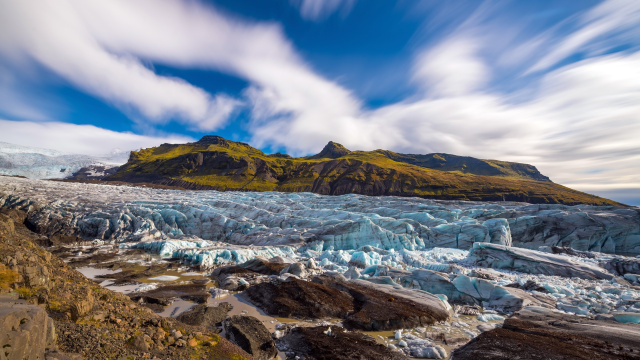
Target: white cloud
{"x":610,"y":18}
{"x":321,"y":9}
{"x":579,"y":124}
{"x":78,"y":139}
{"x":451,"y":68}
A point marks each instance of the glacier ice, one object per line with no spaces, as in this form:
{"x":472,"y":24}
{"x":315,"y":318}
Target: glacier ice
{"x":433,"y":246}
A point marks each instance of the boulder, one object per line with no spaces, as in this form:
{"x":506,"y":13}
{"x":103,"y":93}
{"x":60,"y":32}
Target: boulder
{"x":164,"y":295}
{"x":334,"y":343}
{"x":252,"y":336}
{"x":386,"y":307}
{"x":533,"y":262}
{"x":300,"y":299}
{"x":539,"y":333}
{"x":207,"y":316}
{"x":26,"y":331}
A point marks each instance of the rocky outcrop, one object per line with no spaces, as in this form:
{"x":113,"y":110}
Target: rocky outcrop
{"x":239,"y":277}
{"x":251,"y":335}
{"x":384,"y":307}
{"x":300,"y":299}
{"x":214,"y":162}
{"x":206,"y":316}
{"x":362,"y":304}
{"x":89,"y":320}
{"x":164,"y":295}
{"x":537,"y":333}
{"x":533,"y":262}
{"x":26,"y":331}
{"x":333,"y":343}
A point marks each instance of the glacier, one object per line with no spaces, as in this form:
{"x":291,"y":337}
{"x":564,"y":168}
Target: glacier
{"x":465,"y":252}
{"x":37,"y":163}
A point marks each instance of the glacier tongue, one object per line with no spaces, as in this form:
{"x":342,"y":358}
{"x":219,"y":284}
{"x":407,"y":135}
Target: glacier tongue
{"x":419,"y":244}
{"x":316,"y":222}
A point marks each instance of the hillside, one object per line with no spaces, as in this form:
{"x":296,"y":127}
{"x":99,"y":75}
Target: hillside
{"x":216,"y":163}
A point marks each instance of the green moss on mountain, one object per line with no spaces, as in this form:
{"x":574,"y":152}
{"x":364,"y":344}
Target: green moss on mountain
{"x":217,"y":163}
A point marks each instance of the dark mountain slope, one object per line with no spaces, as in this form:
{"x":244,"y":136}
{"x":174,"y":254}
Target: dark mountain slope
{"x":217,"y":163}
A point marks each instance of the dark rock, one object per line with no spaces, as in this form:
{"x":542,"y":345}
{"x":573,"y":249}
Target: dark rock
{"x":384,"y":307}
{"x":207,"y":316}
{"x":622,"y":266}
{"x":300,"y":299}
{"x":530,"y":285}
{"x":537,"y":333}
{"x":332,"y":150}
{"x":362,"y":304}
{"x":570,"y":251}
{"x":26,"y":331}
{"x":251,"y":335}
{"x":239,"y":277}
{"x":164,"y":295}
{"x":313,"y":343}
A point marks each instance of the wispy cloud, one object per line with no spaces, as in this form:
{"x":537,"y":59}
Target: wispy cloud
{"x":320,"y":9}
{"x":574,"y":118}
{"x":78,"y":139}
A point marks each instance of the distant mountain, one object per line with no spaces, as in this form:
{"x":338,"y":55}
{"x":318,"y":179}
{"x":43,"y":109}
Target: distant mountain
{"x":39,"y":163}
{"x":217,"y":163}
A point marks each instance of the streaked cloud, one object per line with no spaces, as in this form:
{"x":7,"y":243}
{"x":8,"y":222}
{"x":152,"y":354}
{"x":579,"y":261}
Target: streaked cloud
{"x":569,"y":118}
{"x":78,"y":139}
{"x":320,"y":9}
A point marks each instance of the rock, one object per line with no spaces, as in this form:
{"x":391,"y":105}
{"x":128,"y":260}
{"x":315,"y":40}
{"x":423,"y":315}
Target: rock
{"x":139,"y":343}
{"x":311,"y":343}
{"x":300,"y":299}
{"x":207,"y":316}
{"x":622,"y":266}
{"x":530,"y":285}
{"x":296,"y":269}
{"x":83,"y":305}
{"x":56,"y":355}
{"x":164,"y":295}
{"x":538,"y":333}
{"x":533,"y":262}
{"x":385,"y":307}
{"x":26,"y":330}
{"x":251,"y":335}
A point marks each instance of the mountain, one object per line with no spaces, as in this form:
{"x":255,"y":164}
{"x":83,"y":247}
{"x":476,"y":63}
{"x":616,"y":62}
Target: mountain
{"x":36,"y":163}
{"x":217,"y":163}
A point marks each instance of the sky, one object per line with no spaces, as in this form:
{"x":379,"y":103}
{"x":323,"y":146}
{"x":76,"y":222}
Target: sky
{"x":553,"y":83}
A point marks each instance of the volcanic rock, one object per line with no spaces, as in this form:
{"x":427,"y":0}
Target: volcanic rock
{"x":251,"y":335}
{"x":334,"y":343}
{"x":537,"y":333}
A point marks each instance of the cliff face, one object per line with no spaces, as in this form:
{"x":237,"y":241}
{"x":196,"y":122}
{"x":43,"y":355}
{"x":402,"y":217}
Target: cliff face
{"x":217,"y":163}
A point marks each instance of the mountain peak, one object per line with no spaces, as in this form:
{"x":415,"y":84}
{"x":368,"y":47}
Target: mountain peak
{"x":212,"y":140}
{"x":332,"y":150}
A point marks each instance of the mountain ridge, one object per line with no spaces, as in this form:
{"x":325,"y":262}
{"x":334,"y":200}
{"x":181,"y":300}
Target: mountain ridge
{"x":214,"y":162}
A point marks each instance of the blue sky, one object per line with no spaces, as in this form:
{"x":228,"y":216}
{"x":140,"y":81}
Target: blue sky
{"x":551,"y":83}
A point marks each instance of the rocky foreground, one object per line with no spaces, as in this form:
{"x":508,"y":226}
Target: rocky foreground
{"x":318,"y":277}
{"x":51,"y":311}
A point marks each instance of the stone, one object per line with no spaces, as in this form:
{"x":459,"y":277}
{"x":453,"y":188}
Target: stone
{"x":207,"y":316}
{"x":26,"y":331}
{"x":251,"y":335}
{"x":536,"y":333}
{"x":312,"y":343}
